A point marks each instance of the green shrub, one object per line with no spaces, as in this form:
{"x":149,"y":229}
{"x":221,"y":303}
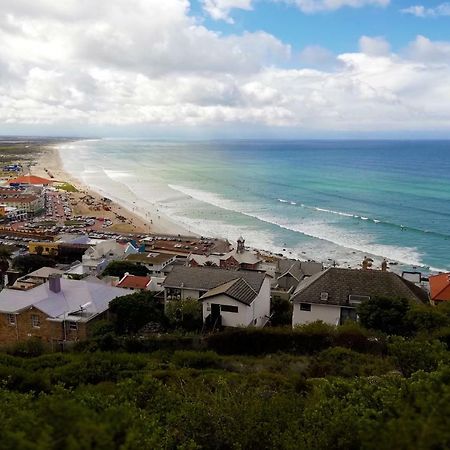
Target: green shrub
{"x":344,"y":362}
{"x":186,"y":314}
{"x":29,"y":348}
{"x":196,"y":360}
{"x":413,"y":355}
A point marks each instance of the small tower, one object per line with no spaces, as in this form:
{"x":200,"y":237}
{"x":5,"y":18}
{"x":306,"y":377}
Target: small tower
{"x":240,"y":245}
{"x":384,"y":265}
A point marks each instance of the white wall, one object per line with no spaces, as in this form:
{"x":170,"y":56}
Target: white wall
{"x":259,"y":309}
{"x":326,"y":313}
{"x":242,"y":318}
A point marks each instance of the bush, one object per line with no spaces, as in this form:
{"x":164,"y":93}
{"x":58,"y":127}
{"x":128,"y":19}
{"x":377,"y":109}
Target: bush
{"x":343,"y":362}
{"x":119,"y":268}
{"x":280,"y":312}
{"x":131,"y":312}
{"x":196,"y":360}
{"x":387,"y":315}
{"x":426,"y":318}
{"x":413,"y":355}
{"x":186,"y":314}
{"x":30,"y":348}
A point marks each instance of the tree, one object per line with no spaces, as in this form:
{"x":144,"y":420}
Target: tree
{"x":29,"y":263}
{"x":186,"y":314}
{"x":132,"y":312}
{"x":281,"y":311}
{"x":5,"y":256}
{"x":119,"y":268}
{"x":384,"y":314}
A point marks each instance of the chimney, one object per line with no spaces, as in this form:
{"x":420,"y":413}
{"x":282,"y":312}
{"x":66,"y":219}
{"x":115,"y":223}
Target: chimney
{"x":54,"y":282}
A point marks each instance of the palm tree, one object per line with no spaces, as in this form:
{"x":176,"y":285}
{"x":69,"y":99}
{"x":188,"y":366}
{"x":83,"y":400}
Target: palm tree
{"x":5,"y":256}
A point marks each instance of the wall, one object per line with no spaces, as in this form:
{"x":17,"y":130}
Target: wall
{"x":326,"y":313}
{"x":261,"y":304}
{"x":243,"y":318}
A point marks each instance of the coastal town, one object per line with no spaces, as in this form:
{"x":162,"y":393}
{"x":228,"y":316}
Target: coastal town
{"x":73,"y":237}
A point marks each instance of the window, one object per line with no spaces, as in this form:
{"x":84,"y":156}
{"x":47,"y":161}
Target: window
{"x":229,"y":308}
{"x":73,"y":326}
{"x":324,"y":296}
{"x":11,"y":319}
{"x":305,"y":307}
{"x":35,"y":322}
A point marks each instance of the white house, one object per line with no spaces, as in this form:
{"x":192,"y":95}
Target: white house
{"x":155,"y":263}
{"x":234,"y":297}
{"x":333,"y":295}
{"x":96,"y":258}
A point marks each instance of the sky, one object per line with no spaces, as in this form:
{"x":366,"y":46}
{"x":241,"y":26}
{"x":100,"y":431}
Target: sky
{"x":225,"y":68}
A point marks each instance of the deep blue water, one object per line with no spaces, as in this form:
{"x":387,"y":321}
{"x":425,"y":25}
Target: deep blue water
{"x":325,"y":200}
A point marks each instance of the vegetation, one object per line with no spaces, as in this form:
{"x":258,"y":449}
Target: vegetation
{"x":5,"y":256}
{"x":29,"y":263}
{"x":314,"y":387}
{"x":67,"y":187}
{"x":132,"y":312}
{"x":120,"y":268}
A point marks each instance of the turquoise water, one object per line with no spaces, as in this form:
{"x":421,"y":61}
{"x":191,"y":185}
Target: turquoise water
{"x":323,"y":200}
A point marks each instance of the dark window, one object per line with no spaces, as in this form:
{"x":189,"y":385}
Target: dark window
{"x":305,"y":307}
{"x":35,"y":322}
{"x":229,"y":308}
{"x":73,"y":326}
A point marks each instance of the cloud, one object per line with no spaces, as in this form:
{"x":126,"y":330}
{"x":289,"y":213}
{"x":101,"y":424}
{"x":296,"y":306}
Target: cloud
{"x":422,"y":11}
{"x":313,"y":6}
{"x":141,"y":64}
{"x":375,"y":46}
{"x":220,"y":9}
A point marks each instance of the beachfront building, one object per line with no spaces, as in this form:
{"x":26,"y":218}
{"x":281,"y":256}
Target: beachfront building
{"x":230,"y":298}
{"x":440,"y":288}
{"x":289,"y":273}
{"x":156,"y":263}
{"x":29,"y":201}
{"x":333,"y":295}
{"x":29,"y":180}
{"x":238,"y":258}
{"x":10,"y":213}
{"x":56,"y":312}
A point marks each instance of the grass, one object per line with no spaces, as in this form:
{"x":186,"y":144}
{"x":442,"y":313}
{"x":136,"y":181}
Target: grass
{"x":67,"y":187}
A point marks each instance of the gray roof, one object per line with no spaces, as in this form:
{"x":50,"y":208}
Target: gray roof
{"x":44,"y":272}
{"x":92,"y":294}
{"x":237,"y":289}
{"x":297,"y":269}
{"x":340,"y":283}
{"x":206,"y":278}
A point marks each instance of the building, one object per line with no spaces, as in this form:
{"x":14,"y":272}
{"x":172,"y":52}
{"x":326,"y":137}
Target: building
{"x":333,"y":295}
{"x":236,"y":298}
{"x":97,"y":257}
{"x":30,"y":180}
{"x":28,"y":202}
{"x":134,"y":283}
{"x":289,"y":273}
{"x":155,"y":263}
{"x":56,"y":312}
{"x":35,"y":278}
{"x":238,"y":258}
{"x":440,"y":288}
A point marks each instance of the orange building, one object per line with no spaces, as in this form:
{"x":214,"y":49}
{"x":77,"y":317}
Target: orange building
{"x":440,"y":287}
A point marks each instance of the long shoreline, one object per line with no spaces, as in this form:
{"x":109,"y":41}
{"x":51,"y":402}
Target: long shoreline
{"x":124,"y":220}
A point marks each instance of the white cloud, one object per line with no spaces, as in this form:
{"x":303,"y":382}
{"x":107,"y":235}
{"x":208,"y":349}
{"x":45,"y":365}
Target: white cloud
{"x":220,"y":9}
{"x":422,"y":11}
{"x":313,"y":6}
{"x":141,"y":63}
{"x":375,"y":46}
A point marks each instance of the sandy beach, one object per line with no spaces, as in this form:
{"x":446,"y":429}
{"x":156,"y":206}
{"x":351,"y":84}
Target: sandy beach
{"x":87,"y":202}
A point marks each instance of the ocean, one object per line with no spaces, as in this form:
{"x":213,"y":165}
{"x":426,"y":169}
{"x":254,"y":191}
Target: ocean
{"x":330,"y":201}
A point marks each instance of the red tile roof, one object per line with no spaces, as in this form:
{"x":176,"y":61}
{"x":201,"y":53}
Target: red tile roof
{"x":30,"y":179}
{"x":440,"y":287}
{"x":134,"y":282}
